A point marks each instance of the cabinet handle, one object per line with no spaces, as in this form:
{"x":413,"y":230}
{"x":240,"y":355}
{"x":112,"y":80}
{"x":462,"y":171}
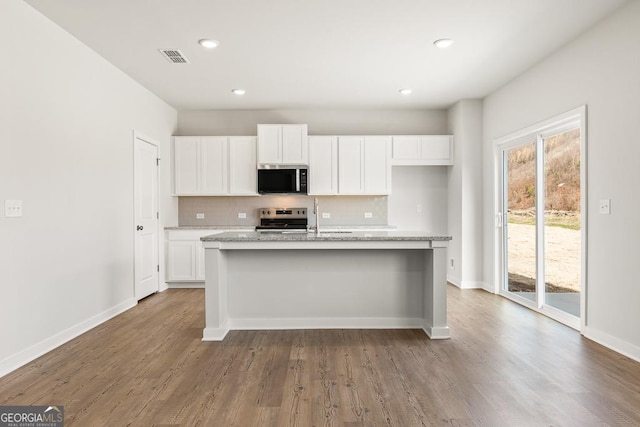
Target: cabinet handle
{"x":139,"y":228}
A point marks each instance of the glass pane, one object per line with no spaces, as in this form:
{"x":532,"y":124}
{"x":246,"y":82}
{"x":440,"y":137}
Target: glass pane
{"x":520,"y":224}
{"x":562,"y":221}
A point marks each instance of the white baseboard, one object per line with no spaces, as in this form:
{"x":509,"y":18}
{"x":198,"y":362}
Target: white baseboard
{"x":437,"y":333}
{"x":27,"y":355}
{"x":215,"y":334}
{"x":185,"y":285}
{"x":327,"y":323}
{"x":465,"y":284}
{"x":454,"y":281}
{"x":615,"y":344}
{"x":468,"y":284}
{"x":489,"y":288}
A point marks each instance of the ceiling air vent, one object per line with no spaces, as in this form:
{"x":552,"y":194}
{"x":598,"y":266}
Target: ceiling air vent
{"x":174,"y":56}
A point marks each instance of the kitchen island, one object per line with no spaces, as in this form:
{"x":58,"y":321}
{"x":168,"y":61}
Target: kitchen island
{"x":379,"y":279}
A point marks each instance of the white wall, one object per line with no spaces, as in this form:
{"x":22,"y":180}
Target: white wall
{"x":66,"y":150}
{"x":321,"y":122}
{"x":465,"y":195}
{"x":418,"y":199}
{"x":602,"y":70}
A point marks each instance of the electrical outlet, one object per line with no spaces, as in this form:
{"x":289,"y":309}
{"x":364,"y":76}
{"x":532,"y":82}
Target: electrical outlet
{"x":326,"y":215}
{"x":605,"y":206}
{"x":242,"y":215}
{"x":368,"y":215}
{"x":199,"y":216}
{"x":13,"y":208}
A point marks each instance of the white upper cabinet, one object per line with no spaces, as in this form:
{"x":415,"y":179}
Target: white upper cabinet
{"x":186,"y":161}
{"x":377,"y":165}
{"x":242,"y":165}
{"x":215,"y":165}
{"x":283,"y":144}
{"x":350,"y":164}
{"x":323,"y":165}
{"x":364,"y":165}
{"x":423,"y":150}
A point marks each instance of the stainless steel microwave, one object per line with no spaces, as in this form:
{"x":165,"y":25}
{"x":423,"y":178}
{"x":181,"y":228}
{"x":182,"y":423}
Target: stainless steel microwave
{"x":282,"y":179}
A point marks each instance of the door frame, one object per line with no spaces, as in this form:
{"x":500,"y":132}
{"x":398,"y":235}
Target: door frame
{"x":139,"y":135}
{"x":556,"y":124}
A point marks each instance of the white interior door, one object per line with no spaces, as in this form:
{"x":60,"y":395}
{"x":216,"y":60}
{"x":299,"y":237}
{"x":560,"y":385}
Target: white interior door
{"x":146,"y":217}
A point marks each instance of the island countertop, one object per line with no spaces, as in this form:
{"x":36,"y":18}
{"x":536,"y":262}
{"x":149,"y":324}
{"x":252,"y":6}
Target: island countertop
{"x":358,"y":279}
{"x":331,"y":236}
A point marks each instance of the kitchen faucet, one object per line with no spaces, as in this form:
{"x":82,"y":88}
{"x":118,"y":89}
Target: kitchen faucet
{"x":317,"y":212}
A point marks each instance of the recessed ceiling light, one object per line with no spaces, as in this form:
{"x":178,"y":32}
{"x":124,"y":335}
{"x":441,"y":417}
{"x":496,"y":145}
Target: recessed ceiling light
{"x":239,"y":92}
{"x":443,"y":43}
{"x":405,"y":91}
{"x":208,"y":43}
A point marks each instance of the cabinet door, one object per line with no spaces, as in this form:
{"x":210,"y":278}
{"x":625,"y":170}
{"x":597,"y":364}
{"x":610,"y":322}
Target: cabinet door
{"x":181,"y":260}
{"x":269,"y":144}
{"x":242,"y":165}
{"x":213,"y":163}
{"x":350,"y":163}
{"x":186,"y":165}
{"x":323,"y":165}
{"x":437,"y":149}
{"x":295,"y":149}
{"x":377,"y":166}
{"x":406,"y":147}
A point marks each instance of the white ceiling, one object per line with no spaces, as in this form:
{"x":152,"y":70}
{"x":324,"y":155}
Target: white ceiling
{"x":324,"y":53}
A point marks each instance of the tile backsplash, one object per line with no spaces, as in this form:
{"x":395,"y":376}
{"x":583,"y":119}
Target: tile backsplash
{"x":226,"y":211}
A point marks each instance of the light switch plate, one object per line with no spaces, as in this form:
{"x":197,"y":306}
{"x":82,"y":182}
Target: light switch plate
{"x":13,"y":208}
{"x":242,"y":215}
{"x":605,"y":207}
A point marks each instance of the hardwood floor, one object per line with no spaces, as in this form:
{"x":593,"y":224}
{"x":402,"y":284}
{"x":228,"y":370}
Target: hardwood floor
{"x":504,"y":366}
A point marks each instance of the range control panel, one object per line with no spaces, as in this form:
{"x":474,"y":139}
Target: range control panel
{"x":282,"y":213}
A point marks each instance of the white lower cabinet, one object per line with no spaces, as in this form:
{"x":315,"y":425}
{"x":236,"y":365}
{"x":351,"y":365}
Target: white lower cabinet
{"x":185,"y":254}
{"x":181,"y":260}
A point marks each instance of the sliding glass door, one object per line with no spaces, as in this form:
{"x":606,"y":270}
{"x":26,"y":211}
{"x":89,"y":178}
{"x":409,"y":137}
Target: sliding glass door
{"x":540,"y":210}
{"x":520,"y":238}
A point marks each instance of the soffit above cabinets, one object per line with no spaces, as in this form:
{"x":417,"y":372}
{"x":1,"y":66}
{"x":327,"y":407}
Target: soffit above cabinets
{"x":324,"y":54}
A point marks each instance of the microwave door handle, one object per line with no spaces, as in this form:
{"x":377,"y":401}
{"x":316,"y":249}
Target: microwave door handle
{"x":297,"y":180}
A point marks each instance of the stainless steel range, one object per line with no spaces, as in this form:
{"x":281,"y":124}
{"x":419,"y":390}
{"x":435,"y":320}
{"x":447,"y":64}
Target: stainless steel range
{"x":283,"y":220}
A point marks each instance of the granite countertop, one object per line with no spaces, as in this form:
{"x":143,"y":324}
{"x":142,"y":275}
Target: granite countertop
{"x":212,"y":227}
{"x":252,"y":227}
{"x":255,"y":236}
